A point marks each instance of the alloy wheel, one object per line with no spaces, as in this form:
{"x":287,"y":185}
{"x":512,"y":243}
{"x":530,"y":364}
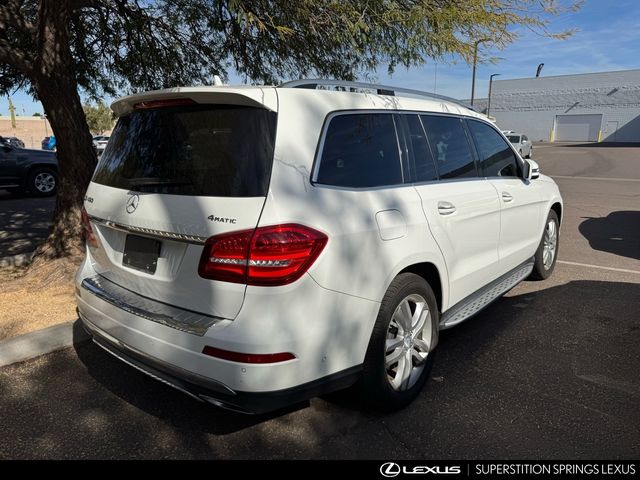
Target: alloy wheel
{"x":408,"y":342}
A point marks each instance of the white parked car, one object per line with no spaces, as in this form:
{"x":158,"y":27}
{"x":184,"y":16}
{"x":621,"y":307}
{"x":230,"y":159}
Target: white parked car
{"x":100,"y":143}
{"x":258,"y":246}
{"x":521,"y":143}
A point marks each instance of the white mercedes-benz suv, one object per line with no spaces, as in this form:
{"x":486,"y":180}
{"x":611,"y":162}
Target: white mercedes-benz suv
{"x":257,"y":246}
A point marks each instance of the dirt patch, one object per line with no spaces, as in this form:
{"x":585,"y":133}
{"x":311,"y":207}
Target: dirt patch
{"x":30,"y":301}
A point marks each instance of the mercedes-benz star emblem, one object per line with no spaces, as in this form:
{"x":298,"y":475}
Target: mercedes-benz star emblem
{"x":132,"y":203}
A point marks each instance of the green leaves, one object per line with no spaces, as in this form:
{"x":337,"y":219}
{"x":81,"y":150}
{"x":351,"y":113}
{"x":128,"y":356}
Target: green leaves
{"x":99,"y":117}
{"x":121,"y":46}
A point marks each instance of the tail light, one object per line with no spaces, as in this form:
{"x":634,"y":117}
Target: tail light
{"x":269,"y":256}
{"x":89,"y":236}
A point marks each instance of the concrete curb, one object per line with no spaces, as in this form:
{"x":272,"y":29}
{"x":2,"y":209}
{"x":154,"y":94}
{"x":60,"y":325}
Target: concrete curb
{"x":19,"y":260}
{"x":40,"y":342}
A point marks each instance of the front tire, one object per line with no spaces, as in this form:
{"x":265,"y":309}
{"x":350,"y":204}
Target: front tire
{"x":547,"y":253}
{"x":530,"y":155}
{"x":400,"y":353}
{"x":43,"y":182}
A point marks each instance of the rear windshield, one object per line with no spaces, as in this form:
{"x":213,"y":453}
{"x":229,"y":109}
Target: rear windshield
{"x":200,"y":150}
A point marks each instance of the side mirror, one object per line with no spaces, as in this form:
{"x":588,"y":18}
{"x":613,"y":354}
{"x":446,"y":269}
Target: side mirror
{"x":531,"y":170}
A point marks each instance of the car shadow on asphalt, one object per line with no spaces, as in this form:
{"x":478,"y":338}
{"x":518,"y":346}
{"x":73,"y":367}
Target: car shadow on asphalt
{"x":163,"y":401}
{"x":617,"y":233}
{"x":534,"y":349}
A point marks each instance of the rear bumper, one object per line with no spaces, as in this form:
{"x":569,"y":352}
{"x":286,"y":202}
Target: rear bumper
{"x":214,"y":392}
{"x":326,"y":331}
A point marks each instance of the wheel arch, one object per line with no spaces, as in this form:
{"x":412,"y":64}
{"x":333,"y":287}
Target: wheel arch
{"x":37,"y":165}
{"x":557,"y":207}
{"x":430,"y":272}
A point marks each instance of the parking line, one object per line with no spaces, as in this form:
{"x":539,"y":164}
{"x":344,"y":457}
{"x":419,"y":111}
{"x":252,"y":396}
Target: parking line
{"x":597,"y":178}
{"x":623,"y":270}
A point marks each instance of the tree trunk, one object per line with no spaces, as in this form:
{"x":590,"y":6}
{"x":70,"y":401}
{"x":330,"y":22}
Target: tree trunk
{"x":76,"y":162}
{"x":55,"y":83}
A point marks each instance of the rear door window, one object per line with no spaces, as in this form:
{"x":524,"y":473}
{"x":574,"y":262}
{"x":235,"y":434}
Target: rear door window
{"x":424,"y":165}
{"x":199,"y":150}
{"x":450,"y":146}
{"x":360,"y":150}
{"x":496,"y":156}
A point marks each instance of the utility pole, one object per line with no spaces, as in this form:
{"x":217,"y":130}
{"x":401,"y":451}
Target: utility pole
{"x":12,"y":112}
{"x":489,"y":99}
{"x":475,"y":61}
{"x":435,"y":78}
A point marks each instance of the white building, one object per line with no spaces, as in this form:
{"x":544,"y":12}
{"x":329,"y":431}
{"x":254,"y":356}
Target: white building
{"x":589,"y":107}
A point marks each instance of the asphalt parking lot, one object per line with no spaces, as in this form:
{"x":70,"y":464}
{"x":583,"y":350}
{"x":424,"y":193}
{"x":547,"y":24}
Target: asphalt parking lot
{"x":548,"y":372}
{"x":24,"y":223}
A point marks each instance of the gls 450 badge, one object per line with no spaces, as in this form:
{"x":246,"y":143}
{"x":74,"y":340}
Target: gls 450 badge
{"x":215,"y":218}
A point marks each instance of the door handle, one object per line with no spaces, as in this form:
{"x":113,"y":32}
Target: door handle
{"x":506,"y":197}
{"x":446,"y":208}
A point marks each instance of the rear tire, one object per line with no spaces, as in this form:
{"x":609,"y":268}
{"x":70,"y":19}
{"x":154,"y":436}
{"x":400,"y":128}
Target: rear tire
{"x":400,"y":353}
{"x":547,"y":253}
{"x":42,"y":182}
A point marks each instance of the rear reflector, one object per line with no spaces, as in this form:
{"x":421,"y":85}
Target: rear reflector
{"x":267,"y":256}
{"x":170,"y":102}
{"x":248,"y":357}
{"x":89,"y":236}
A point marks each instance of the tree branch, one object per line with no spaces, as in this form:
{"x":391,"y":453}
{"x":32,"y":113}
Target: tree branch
{"x":12,"y":20}
{"x":10,"y":16}
{"x":15,"y":57}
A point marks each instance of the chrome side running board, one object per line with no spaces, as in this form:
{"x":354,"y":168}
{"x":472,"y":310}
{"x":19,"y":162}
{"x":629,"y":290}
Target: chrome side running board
{"x":168,"y":315}
{"x":477,"y":301}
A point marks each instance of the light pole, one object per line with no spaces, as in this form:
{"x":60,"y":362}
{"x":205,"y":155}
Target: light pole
{"x":475,"y":61}
{"x":489,"y":99}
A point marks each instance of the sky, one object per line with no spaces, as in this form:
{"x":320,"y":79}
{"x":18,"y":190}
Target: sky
{"x":608,"y":38}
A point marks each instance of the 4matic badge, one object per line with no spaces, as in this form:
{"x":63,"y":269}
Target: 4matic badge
{"x":215,"y":218}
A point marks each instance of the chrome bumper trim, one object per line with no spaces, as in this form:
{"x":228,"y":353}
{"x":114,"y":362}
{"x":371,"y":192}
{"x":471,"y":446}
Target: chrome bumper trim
{"x":150,"y":232}
{"x":184,"y":320}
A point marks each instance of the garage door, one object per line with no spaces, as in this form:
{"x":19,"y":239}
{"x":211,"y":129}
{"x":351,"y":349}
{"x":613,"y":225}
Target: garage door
{"x":577,"y":128}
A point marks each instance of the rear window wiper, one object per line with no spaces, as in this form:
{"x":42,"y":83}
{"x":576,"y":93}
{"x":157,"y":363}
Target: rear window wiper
{"x":157,"y":182}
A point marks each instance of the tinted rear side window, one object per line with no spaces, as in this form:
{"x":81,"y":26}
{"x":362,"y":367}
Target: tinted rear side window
{"x":425,"y":168}
{"x":496,"y":157}
{"x":360,"y":150}
{"x":450,"y":146}
{"x":203,"y":150}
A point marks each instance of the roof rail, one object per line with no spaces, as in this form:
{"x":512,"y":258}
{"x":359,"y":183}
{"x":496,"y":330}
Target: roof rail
{"x":313,"y":84}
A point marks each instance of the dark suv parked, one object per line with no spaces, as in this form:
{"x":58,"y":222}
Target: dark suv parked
{"x":14,"y":142}
{"x":26,"y":170}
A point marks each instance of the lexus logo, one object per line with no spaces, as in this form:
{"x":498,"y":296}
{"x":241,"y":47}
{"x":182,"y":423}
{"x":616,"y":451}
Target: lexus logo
{"x":390,"y":469}
{"x":132,"y":203}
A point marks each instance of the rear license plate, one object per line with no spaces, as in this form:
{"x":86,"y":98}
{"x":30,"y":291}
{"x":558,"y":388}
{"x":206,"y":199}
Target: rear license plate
{"x":141,"y":253}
